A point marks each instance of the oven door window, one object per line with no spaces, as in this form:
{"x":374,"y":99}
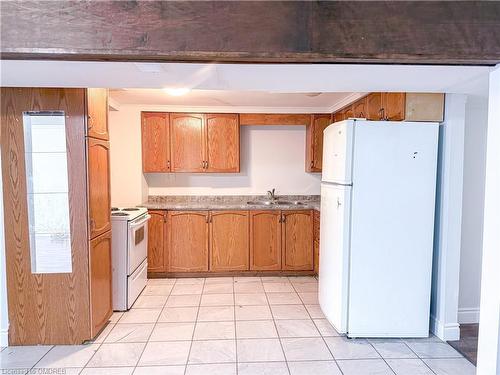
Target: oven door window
{"x":139,"y":235}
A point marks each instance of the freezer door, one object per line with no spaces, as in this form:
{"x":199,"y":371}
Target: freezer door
{"x":334,"y":253}
{"x":337,"y":152}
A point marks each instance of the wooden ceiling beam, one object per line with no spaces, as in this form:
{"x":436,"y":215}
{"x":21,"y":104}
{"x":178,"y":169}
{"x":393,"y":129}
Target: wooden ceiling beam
{"x":422,"y":32}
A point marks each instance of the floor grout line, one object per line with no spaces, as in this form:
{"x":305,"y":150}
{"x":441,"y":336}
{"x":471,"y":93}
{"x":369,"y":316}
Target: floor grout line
{"x":194,"y":328}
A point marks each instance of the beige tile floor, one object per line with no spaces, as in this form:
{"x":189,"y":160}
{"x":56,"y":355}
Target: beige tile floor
{"x":240,"y":325}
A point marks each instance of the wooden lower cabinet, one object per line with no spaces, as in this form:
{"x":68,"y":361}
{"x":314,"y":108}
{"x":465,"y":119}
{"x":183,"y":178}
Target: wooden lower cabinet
{"x":265,"y":240}
{"x":316,"y":231}
{"x":157,"y":254}
{"x":100,"y":282}
{"x":229,"y":241}
{"x":297,"y":240}
{"x":187,"y":243}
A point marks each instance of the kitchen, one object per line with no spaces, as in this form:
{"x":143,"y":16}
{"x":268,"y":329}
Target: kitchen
{"x":213,"y":257}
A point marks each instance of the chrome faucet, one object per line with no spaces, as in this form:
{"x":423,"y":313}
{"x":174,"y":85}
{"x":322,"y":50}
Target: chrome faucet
{"x":271,"y":195}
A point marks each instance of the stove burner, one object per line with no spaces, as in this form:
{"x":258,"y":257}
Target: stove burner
{"x":114,"y":209}
{"x":131,"y":209}
{"x":119,"y":214}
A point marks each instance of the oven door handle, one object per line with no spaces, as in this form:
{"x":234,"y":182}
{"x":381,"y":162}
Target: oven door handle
{"x":140,"y":222}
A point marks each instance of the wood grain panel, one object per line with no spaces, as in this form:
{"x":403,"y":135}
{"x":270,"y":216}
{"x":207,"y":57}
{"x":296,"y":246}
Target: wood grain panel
{"x":101,"y":306}
{"x":359,"y":108}
{"x":157,"y":239}
{"x":97,"y":113}
{"x":223,"y":142}
{"x":229,"y":240}
{"x":316,"y":224}
{"x":265,"y":240}
{"x":155,"y":142}
{"x":297,"y":242}
{"x":99,"y":196}
{"x":274,"y":119}
{"x":393,"y":104}
{"x":442,"y":32}
{"x":314,"y":142}
{"x":188,"y":141}
{"x":44,"y":308}
{"x":374,"y":106}
{"x":187,"y":241}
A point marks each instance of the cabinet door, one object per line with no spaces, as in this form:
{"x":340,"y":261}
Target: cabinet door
{"x":187,"y":142}
{"x":297,"y":240}
{"x":229,"y":241}
{"x":100,"y":282}
{"x":97,"y":113}
{"x":393,"y":104}
{"x":155,"y":142}
{"x":157,"y":256}
{"x":314,"y":142}
{"x":339,"y":116}
{"x":348,"y":113}
{"x":265,"y":240}
{"x":99,"y":199}
{"x":187,"y":241}
{"x":223,"y":143}
{"x":374,"y":106}
{"x":359,"y":108}
{"x":316,"y":224}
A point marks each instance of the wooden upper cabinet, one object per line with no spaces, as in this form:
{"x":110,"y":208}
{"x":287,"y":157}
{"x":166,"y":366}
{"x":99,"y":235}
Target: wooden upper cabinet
{"x":265,"y":240}
{"x":99,"y":199}
{"x":97,"y":113}
{"x":155,"y":142}
{"x":374,"y":106}
{"x":223,"y":143}
{"x":157,"y":240}
{"x":297,"y":240}
{"x":359,"y":108}
{"x":314,"y":142}
{"x":348,"y":112}
{"x":100,"y":282}
{"x":393,"y":104}
{"x":187,"y":142}
{"x":229,"y":241}
{"x":187,"y":241}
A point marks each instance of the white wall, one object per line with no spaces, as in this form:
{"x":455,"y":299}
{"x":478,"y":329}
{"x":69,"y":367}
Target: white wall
{"x":271,"y":157}
{"x":476,"y":123}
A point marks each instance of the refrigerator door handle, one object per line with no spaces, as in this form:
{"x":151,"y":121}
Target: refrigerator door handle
{"x":338,"y":203}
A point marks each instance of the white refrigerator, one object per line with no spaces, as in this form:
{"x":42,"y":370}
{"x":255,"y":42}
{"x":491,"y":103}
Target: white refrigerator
{"x":377,"y":223}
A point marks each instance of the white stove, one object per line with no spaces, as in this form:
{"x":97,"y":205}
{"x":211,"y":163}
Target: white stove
{"x":129,"y":230}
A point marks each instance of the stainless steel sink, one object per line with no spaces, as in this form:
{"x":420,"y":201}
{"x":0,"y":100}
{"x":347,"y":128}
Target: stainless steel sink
{"x":275,"y":203}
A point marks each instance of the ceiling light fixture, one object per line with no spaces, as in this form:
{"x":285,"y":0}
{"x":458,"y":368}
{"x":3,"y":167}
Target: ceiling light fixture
{"x":178,"y":91}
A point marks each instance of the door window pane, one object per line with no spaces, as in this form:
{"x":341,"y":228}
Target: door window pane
{"x":48,"y":194}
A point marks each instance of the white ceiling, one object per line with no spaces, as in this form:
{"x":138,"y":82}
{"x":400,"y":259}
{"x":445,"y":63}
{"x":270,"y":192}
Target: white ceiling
{"x":222,"y":98}
{"x":245,"y":85}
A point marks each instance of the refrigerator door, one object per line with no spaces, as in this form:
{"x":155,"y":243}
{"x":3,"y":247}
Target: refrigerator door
{"x":337,"y":152}
{"x":334,"y":253}
{"x":392,"y":227}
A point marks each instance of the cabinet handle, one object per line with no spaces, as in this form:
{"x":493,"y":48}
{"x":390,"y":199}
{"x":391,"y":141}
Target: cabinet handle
{"x":168,"y":164}
{"x":206,"y":164}
{"x":89,"y":122}
{"x":164,"y":218}
{"x":207,"y":218}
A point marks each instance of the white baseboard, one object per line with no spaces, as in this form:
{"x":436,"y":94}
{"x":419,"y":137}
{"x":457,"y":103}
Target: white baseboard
{"x":468,"y":315}
{"x":4,"y":337}
{"x":445,"y":332}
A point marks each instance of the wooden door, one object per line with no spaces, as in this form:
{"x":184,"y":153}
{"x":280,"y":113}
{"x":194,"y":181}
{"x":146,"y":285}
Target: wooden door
{"x":100,"y":282}
{"x":359,"y":108}
{"x":316,"y":225}
{"x":265,"y":240}
{"x":314,"y":142}
{"x":44,"y":308}
{"x":297,"y":242}
{"x":99,"y":199}
{"x":187,"y":241}
{"x":223,"y":143}
{"x":374,"y":106}
{"x":97,"y":113}
{"x":187,"y":142}
{"x":393,"y":104}
{"x":157,"y":240}
{"x":229,"y":241}
{"x":155,"y":142}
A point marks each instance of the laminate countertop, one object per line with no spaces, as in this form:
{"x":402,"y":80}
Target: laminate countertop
{"x":231,"y":202}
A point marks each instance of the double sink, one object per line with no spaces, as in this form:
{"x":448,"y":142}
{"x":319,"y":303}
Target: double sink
{"x":275,"y":203}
